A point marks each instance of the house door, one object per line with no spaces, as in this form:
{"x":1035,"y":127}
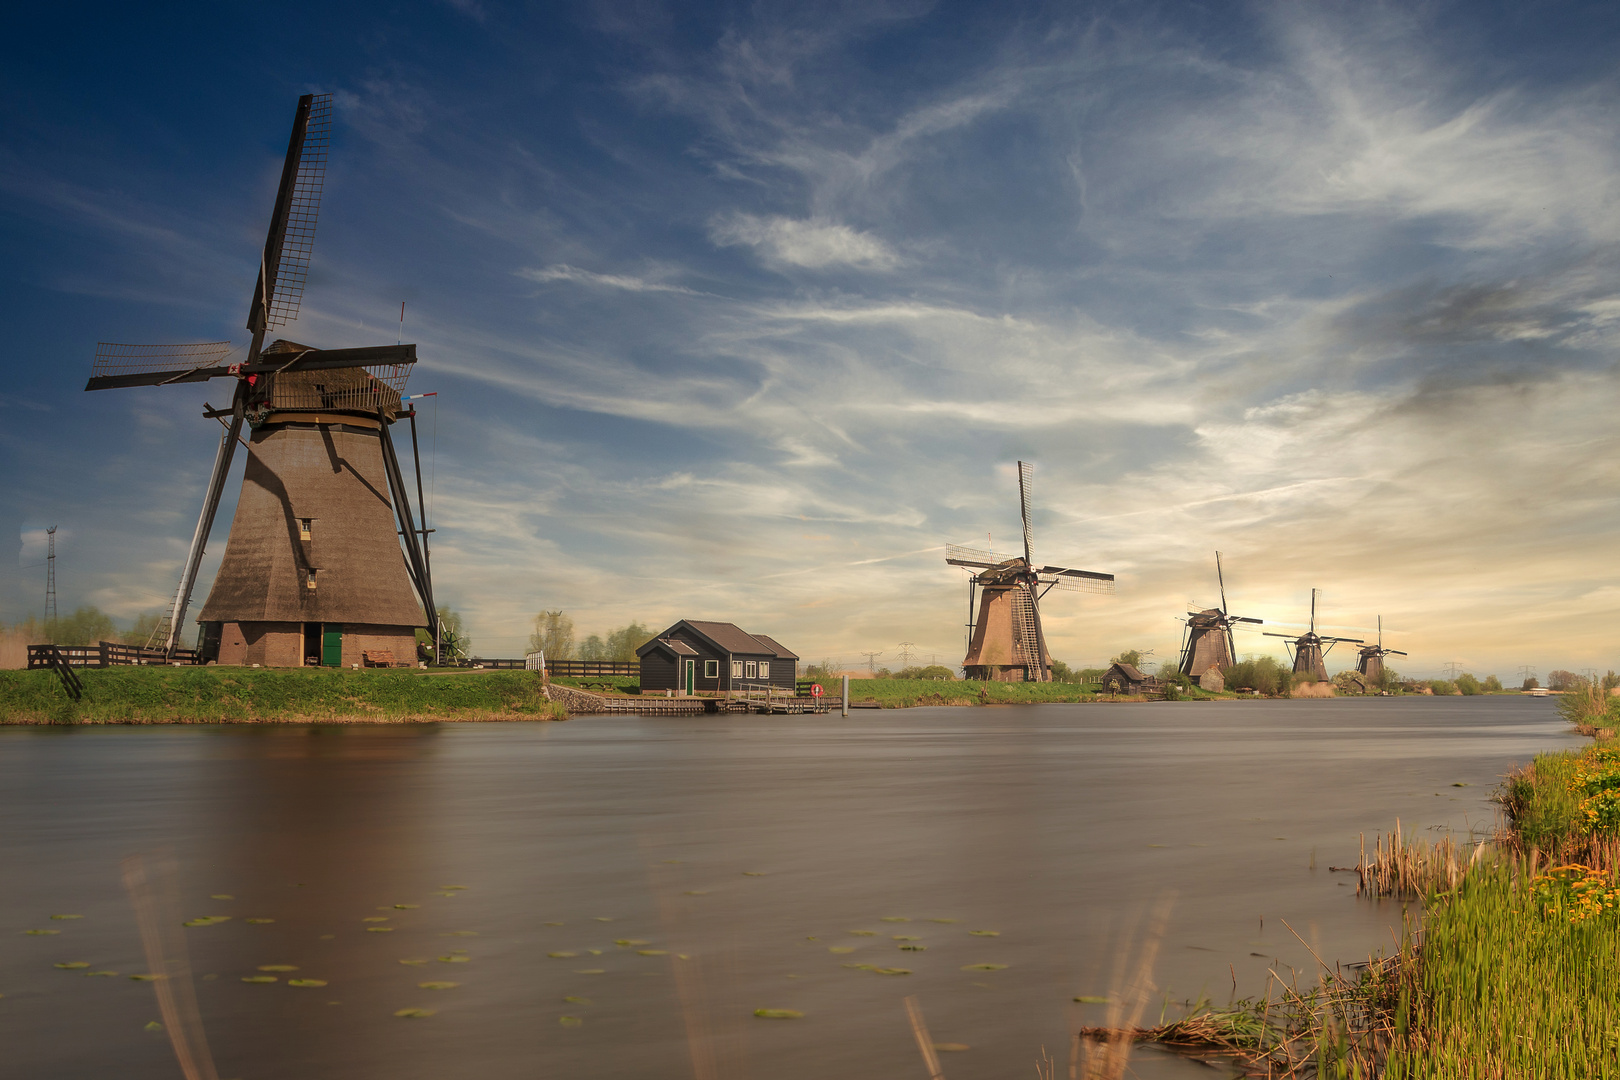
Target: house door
{"x":691,"y":677}
{"x":332,"y":645}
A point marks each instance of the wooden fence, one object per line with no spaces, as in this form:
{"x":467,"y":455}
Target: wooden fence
{"x":105,"y":654}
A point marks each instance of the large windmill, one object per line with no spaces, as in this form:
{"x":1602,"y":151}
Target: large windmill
{"x":1309,"y":655}
{"x":1007,"y":644}
{"x":313,"y":570}
{"x":1207,"y":642}
{"x":1370,"y":658}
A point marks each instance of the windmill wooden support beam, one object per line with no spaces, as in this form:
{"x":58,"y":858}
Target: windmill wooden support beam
{"x":315,"y":570}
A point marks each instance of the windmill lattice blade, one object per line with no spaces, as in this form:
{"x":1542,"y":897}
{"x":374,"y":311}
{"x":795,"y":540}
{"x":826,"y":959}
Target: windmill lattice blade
{"x":1064,"y":571}
{"x":1081,"y":584}
{"x":1026,"y":486}
{"x":287,"y":277}
{"x":972,"y":556}
{"x":147,"y":365}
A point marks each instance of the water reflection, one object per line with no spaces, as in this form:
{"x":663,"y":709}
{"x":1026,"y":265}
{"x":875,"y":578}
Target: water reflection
{"x":755,"y":848}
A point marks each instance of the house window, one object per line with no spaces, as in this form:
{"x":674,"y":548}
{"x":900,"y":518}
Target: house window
{"x":711,"y":669}
{"x":752,"y":670}
{"x":765,"y":669}
{"x":736,"y":669}
{"x":311,"y":579}
{"x":303,"y":527}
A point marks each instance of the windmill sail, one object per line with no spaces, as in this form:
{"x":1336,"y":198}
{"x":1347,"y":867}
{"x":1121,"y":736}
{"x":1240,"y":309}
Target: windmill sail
{"x":291,"y":241}
{"x":1026,"y":485}
{"x":176,"y":362}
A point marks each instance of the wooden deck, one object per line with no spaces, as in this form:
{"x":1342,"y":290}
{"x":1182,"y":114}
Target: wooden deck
{"x":584,"y":703}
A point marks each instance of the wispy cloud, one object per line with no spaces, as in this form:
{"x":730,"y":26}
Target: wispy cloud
{"x":812,"y":244}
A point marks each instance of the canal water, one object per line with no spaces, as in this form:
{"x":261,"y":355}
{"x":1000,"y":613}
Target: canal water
{"x":614,"y":897}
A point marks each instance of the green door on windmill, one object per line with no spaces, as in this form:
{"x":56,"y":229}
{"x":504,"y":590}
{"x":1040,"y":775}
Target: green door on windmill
{"x":332,"y":645}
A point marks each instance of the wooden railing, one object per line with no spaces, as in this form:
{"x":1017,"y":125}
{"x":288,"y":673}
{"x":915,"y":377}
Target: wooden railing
{"x":105,"y":654}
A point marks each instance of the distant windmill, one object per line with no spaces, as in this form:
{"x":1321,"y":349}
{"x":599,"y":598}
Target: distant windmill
{"x":1008,"y":644}
{"x":1307,"y":648}
{"x":1207,"y":642}
{"x":1370,"y":660}
{"x":322,"y":486}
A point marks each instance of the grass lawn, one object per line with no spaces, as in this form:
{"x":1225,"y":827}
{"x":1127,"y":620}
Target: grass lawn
{"x":206,"y":695}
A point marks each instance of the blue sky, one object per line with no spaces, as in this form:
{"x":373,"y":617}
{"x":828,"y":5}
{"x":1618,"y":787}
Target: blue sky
{"x":743,"y":311}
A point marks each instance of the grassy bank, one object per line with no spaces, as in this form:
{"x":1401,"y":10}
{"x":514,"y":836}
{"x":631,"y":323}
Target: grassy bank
{"x":154,"y":695}
{"x":905,"y":693}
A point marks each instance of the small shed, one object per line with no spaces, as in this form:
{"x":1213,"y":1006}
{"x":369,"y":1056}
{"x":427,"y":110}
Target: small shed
{"x":1126,"y":679}
{"x":1212,"y":680}
{"x":696,"y":656}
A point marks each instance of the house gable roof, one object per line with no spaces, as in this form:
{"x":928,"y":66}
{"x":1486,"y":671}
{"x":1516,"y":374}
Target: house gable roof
{"x":727,"y":637}
{"x":677,"y":647}
{"x":1128,"y":672}
{"x":776,"y":646}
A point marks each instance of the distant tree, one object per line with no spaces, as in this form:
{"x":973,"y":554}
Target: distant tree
{"x":1263,"y":675}
{"x":1493,"y":685}
{"x":883,"y":673}
{"x":621,"y":644}
{"x":824,"y":672}
{"x":86,"y":626}
{"x":1133,"y":657}
{"x":593,"y":648}
{"x":1563,"y":680}
{"x":1467,"y":684}
{"x":1390,"y":680}
{"x":1060,"y":671}
{"x":1610,"y":681}
{"x":553,"y":635}
{"x":1532,"y":683}
{"x":1442,"y":687}
{"x":936,"y":671}
{"x":145,"y":626}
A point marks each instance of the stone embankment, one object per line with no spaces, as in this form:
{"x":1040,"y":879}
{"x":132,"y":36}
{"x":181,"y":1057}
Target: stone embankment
{"x":585,"y":703}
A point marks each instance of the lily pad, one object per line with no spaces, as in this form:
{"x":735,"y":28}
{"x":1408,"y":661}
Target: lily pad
{"x":602,"y":918}
{"x":72,"y":965}
{"x":891,"y":971}
{"x":779,"y":1014}
{"x":278,"y":967}
{"x":259,"y":922}
{"x":652,"y":952}
{"x":985,"y":967}
{"x":375,"y":918}
{"x":1091,"y":999}
{"x":458,"y":958}
{"x":222,"y":896}
{"x":438,"y":985}
{"x":40,"y":933}
{"x":306,"y":982}
{"x":594,"y":952}
{"x":591,"y":971}
{"x":379,"y":929}
{"x":861,"y":967}
{"x":627,"y":942}
{"x":947,"y":921}
{"x":551,"y":924}
{"x":259,"y":979}
{"x":985,"y":933}
{"x":146,"y":978}
{"x":841,"y":949}
{"x":153,"y":1025}
{"x":208,"y":920}
{"x":575,"y":999}
{"x":895,"y":918}
{"x":562,"y":955}
{"x":915,"y":948}
{"x":67,"y":916}
{"x":407,"y":907}
{"x":951,"y":1048}
{"x":413,"y":1014}
{"x":446,"y":894}
{"x":571,"y":1021}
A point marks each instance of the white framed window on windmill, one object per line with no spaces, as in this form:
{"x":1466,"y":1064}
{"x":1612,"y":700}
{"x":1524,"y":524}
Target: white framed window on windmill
{"x":711,"y":669}
{"x":736,"y":669}
{"x":309,"y":578}
{"x":304,"y":525}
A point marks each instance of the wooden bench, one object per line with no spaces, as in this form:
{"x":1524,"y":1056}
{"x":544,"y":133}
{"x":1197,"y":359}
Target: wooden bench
{"x":379,"y":658}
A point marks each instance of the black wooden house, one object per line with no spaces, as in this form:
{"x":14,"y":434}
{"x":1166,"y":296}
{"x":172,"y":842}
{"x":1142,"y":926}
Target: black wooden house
{"x":713,"y":657}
